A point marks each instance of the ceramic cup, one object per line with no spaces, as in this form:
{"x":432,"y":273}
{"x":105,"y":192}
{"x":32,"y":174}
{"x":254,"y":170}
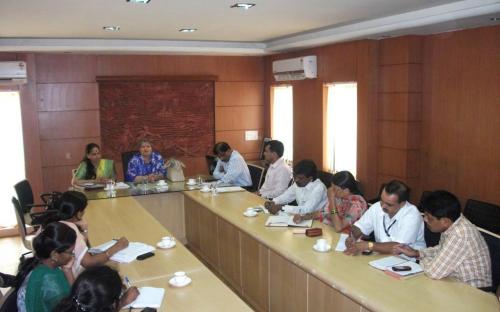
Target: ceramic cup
{"x":161,"y":182}
{"x":321,"y":243}
{"x":191,"y":181}
{"x":180,"y":277}
{"x":167,"y":240}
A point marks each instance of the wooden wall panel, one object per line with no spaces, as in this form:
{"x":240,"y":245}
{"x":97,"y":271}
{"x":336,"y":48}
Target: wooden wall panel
{"x":322,"y":297}
{"x":69,"y":124}
{"x":288,"y":285}
{"x":229,"y":253}
{"x":239,"y":94}
{"x":237,"y":140}
{"x":255,"y":272}
{"x":400,"y":106}
{"x":396,"y":134}
{"x":54,"y":68}
{"x":401,"y":50}
{"x":239,"y":118}
{"x":399,"y":162}
{"x":65,"y":152}
{"x":57,"y":178}
{"x":68,"y":96}
{"x":401,"y":78}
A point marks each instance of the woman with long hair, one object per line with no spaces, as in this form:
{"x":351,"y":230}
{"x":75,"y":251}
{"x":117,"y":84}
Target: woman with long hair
{"x":93,"y":168}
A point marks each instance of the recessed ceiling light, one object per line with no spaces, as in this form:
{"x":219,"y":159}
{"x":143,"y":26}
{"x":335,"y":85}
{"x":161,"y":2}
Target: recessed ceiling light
{"x":245,"y":6}
{"x":495,"y":19}
{"x":139,"y":1}
{"x":111,"y":28}
{"x":188,"y":30}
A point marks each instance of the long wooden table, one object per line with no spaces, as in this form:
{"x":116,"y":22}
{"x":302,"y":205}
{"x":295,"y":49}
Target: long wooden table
{"x":126,"y":216}
{"x":276,"y":270}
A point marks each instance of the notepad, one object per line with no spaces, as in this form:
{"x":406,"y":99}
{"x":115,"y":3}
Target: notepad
{"x":386,"y":264}
{"x":149,"y":297}
{"x":286,"y":220}
{"x":126,"y":255}
{"x":228,"y":189}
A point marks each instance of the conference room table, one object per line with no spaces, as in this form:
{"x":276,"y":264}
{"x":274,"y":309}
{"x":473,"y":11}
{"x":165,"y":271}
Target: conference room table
{"x":270,"y":268}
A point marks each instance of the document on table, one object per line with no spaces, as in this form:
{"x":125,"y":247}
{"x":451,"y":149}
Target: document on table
{"x":126,"y":255}
{"x":386,"y":264}
{"x":286,"y":220}
{"x":228,"y":189}
{"x":341,"y":243}
{"x":149,"y":297}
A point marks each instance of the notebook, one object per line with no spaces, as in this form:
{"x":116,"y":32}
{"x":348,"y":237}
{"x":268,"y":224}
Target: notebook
{"x":149,"y":297}
{"x":386,"y":264}
{"x":126,"y":255}
{"x":228,"y":189}
{"x":286,"y":220}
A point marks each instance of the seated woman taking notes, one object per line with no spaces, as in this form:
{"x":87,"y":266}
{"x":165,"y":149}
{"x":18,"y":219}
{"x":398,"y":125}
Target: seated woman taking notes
{"x":93,"y":168}
{"x":345,"y":203}
{"x":146,"y":166}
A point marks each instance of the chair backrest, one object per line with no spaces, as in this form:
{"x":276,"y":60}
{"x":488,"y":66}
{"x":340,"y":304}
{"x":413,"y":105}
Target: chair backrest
{"x":24,"y":194}
{"x":256,"y":173}
{"x":484,"y":215}
{"x":21,"y":223}
{"x":126,"y":157}
{"x":8,"y":303}
{"x":211,"y":163}
{"x":493,"y":243}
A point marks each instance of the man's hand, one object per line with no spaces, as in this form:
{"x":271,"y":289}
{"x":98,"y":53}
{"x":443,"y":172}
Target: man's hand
{"x":356,"y":248}
{"x":297,"y":218}
{"x":407,"y":251}
{"x":272,"y":207}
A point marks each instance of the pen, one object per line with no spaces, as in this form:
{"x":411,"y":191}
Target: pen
{"x":127,"y":282}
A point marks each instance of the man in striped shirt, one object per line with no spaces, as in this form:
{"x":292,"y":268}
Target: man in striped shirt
{"x":462,"y":252}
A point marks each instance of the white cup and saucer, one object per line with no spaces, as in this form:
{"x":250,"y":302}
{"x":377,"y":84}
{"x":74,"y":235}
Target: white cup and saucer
{"x":205,"y":188}
{"x":180,"y":279}
{"x":166,"y":242}
{"x":161,"y":186}
{"x":322,"y":245}
{"x":191,"y":181}
{"x":250,"y":212}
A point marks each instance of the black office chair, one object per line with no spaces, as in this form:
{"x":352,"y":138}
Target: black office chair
{"x":257,"y":175}
{"x":483,"y":215}
{"x":25,"y":195}
{"x":211,"y":163}
{"x":493,"y":243}
{"x":126,"y":157}
{"x":8,"y":303}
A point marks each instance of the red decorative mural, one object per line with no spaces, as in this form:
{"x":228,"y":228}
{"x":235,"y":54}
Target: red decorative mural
{"x":177,"y":116}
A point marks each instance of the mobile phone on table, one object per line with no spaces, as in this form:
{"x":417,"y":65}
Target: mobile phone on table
{"x":401,"y":268}
{"x":145,"y":256}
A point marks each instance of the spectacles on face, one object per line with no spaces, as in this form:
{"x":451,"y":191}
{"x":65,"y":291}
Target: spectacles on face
{"x":71,"y":253}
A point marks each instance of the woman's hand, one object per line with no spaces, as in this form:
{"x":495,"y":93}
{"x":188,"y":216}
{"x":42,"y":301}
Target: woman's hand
{"x":129,"y":296}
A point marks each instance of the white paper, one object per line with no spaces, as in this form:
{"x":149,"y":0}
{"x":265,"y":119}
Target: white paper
{"x":149,"y":297}
{"x":341,"y":244}
{"x":228,"y":189}
{"x":126,"y":255}
{"x":286,"y":220}
{"x":121,"y":186}
{"x":386,"y":264}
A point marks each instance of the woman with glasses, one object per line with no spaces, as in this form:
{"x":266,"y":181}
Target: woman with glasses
{"x":45,"y":278}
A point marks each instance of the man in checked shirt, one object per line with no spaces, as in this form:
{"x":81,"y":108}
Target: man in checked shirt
{"x":462,"y":252}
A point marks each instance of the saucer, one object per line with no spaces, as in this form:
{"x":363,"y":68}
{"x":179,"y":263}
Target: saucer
{"x":88,"y":184}
{"x":186,"y":282}
{"x":162,"y":246}
{"x":205,"y":190}
{"x":327,"y":249}
{"x":161,"y":185}
{"x":250,"y":213}
{"x":194,"y":183}
{"x":162,"y":188}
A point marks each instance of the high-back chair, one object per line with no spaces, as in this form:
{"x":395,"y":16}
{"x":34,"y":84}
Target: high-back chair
{"x":483,"y":214}
{"x":21,"y":225}
{"x":257,"y":175}
{"x":126,"y":157}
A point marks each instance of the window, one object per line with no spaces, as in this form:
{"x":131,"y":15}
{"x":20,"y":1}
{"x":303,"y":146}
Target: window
{"x":282,"y":118}
{"x":341,"y":127}
{"x":13,"y":160}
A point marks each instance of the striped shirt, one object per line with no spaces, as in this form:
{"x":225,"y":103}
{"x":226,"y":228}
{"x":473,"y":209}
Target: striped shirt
{"x":462,"y":253}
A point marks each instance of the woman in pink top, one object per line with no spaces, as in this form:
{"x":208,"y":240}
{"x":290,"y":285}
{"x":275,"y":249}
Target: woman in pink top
{"x":71,"y":207}
{"x":345,"y":203}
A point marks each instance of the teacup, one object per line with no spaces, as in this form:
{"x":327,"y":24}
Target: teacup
{"x":321,"y":244}
{"x":250,"y":210}
{"x":191,"y":181}
{"x":167,"y":240}
{"x":161,"y":182}
{"x":205,"y":188}
{"x":180,"y":277}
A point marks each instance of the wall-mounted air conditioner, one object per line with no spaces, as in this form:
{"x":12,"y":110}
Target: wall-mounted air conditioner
{"x":12,"y":73}
{"x":295,"y":69}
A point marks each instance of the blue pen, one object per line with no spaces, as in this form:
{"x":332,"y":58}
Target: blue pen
{"x":127,"y":282}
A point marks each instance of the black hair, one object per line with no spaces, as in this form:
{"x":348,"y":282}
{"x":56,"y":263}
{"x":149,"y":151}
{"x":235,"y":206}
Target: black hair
{"x":67,"y":206}
{"x":276,"y":146}
{"x":345,"y":180}
{"x":221,"y":147}
{"x":57,"y":237}
{"x":97,"y":289}
{"x":306,"y":167}
{"x":442,"y":204}
{"x":396,"y":187}
{"x":90,"y":173}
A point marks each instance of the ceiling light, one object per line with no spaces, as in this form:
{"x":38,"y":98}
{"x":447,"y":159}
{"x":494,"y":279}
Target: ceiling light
{"x":188,"y":30}
{"x":245,"y":6}
{"x":139,"y":1}
{"x":111,"y":28}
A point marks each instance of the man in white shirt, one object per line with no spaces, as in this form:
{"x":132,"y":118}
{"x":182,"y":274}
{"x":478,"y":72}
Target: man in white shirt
{"x":308,"y":191}
{"x":231,"y":168}
{"x":393,"y":220}
{"x":278,"y":174}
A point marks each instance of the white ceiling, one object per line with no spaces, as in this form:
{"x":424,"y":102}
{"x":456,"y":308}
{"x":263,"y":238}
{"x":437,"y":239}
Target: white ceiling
{"x":271,"y":26}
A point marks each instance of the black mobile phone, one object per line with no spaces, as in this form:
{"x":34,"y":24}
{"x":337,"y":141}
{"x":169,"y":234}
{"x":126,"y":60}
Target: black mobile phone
{"x":401,"y":268}
{"x":148,"y":310}
{"x":366,"y":252}
{"x":145,"y":256}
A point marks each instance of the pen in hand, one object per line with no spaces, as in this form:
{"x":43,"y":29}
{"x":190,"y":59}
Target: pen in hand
{"x":127,"y":282}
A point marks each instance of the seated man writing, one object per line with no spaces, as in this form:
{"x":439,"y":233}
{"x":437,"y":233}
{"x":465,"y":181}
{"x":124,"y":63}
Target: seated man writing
{"x":231,"y":168}
{"x":462,"y":252}
{"x":393,"y":220}
{"x":308,"y":191}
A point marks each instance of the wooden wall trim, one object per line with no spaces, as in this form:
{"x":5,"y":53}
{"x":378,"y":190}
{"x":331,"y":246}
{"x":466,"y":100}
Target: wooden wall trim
{"x":104,"y":79}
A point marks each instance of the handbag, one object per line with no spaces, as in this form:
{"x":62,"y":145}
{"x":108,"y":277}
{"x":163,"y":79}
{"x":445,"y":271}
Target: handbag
{"x":174,"y":170}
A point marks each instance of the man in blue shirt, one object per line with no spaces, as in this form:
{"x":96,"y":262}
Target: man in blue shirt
{"x":231,"y":168}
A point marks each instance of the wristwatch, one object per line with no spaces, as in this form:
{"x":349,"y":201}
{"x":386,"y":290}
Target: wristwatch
{"x":370,"y":245}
